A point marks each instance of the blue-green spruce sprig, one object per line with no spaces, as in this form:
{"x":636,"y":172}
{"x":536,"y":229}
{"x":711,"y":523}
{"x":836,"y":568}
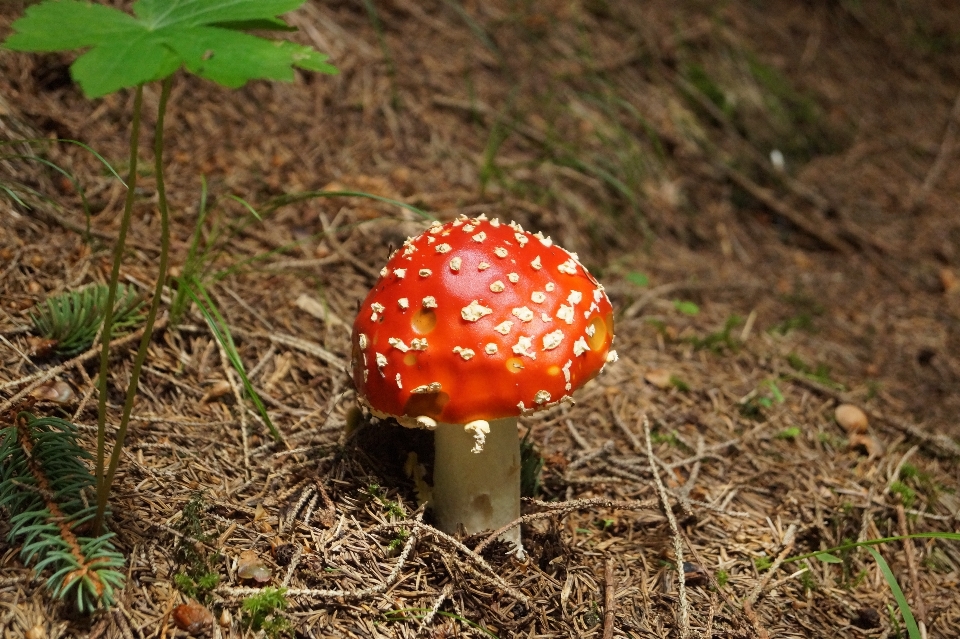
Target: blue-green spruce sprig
{"x":74,"y":317}
{"x":44,"y":485}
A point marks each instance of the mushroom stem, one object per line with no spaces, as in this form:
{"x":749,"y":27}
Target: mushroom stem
{"x":479,"y":490}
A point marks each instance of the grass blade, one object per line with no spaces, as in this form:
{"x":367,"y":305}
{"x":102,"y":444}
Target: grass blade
{"x":99,"y":157}
{"x":955,"y":536}
{"x":221,"y":333}
{"x":247,"y":205}
{"x":908,"y":619}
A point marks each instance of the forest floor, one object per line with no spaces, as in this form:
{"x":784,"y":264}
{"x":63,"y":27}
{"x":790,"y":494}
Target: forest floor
{"x":768,"y":192}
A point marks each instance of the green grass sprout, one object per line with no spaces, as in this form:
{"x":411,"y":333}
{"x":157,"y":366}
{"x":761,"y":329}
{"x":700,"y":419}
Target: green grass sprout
{"x":686,"y":307}
{"x":829,"y":556}
{"x":790,"y":433}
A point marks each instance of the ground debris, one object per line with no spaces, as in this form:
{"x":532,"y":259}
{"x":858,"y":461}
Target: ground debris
{"x":576,"y":119}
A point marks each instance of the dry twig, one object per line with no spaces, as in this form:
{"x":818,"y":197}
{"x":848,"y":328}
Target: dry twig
{"x":677,"y":543}
{"x":788,"y":539}
{"x":943,"y":156}
{"x":610,"y":587}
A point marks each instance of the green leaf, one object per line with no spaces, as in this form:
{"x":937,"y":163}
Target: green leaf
{"x":162,"y":13}
{"x":41,"y":28}
{"x":125,"y":62}
{"x":249,"y":25}
{"x":205,"y":36}
{"x":638,"y":279}
{"x":789,"y":433}
{"x":908,"y":618}
{"x":231,"y":58}
{"x":685,"y":307}
{"x":828,"y":558}
{"x":777,"y":395}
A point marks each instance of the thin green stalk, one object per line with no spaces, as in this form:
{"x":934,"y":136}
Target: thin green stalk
{"x":103,"y":491}
{"x":829,"y":552}
{"x":112,"y":294}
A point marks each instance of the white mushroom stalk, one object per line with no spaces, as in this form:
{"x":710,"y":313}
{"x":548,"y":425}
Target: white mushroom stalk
{"x":478,"y":489}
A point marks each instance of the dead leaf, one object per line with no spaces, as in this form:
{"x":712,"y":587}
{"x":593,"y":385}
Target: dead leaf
{"x":949,"y":281}
{"x":218,"y":389}
{"x":317,"y":309}
{"x":41,"y":347}
{"x":282,"y":364}
{"x":659,"y":377}
{"x":37,"y":632}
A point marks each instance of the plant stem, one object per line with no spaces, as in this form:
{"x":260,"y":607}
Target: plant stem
{"x":103,"y":490}
{"x":112,"y":294}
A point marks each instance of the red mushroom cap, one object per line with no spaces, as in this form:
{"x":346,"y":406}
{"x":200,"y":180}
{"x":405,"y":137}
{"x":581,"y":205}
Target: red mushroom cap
{"x":478,"y":320}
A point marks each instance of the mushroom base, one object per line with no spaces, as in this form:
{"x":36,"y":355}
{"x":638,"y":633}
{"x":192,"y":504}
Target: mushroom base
{"x":480,"y":490}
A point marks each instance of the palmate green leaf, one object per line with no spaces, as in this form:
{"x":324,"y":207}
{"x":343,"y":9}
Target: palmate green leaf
{"x":205,"y":36}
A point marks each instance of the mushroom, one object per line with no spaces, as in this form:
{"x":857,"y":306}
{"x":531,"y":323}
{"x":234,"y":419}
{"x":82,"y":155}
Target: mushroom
{"x":472,"y":324}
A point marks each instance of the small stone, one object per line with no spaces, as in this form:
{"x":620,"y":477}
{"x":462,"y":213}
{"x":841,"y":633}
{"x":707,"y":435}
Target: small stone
{"x":851,"y":418}
{"x":53,"y":391}
{"x":694,"y":574}
{"x":192,"y":618}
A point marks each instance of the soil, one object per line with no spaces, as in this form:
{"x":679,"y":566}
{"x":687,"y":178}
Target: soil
{"x":768,"y":192}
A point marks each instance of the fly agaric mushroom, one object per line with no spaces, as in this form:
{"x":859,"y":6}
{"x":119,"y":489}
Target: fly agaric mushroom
{"x":472,"y":324}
